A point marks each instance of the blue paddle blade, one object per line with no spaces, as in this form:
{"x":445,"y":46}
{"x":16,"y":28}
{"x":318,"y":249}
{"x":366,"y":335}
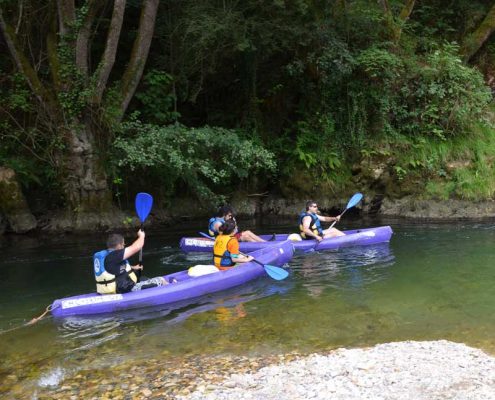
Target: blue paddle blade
{"x":354,"y":200}
{"x":144,"y":202}
{"x":276,"y":272}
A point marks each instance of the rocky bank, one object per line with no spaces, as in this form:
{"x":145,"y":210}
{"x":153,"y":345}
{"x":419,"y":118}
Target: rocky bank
{"x":427,"y":370}
{"x":406,"y":370}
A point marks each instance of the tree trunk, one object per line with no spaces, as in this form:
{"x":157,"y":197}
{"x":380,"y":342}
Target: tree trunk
{"x":473,"y":42}
{"x":395,"y":27}
{"x":139,"y":54}
{"x":86,"y":182}
{"x":108,"y":58}
{"x":70,"y":115}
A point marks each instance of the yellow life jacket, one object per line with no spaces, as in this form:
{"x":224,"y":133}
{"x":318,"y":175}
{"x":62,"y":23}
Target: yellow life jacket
{"x":105,"y":281}
{"x":221,"y":255}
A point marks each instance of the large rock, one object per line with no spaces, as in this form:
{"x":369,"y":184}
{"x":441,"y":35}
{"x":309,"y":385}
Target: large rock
{"x":13,"y":204}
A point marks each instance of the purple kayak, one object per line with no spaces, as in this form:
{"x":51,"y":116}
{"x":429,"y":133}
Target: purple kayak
{"x":357,"y":237}
{"x":277,"y":253}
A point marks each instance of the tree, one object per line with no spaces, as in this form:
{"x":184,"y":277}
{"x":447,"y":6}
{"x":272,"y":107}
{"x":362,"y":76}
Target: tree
{"x":395,"y":25}
{"x":475,"y":40}
{"x":75,"y":94}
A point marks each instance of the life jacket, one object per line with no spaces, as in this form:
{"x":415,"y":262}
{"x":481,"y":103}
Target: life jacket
{"x":222,"y":258}
{"x":211,"y":230}
{"x":105,"y":281}
{"x":314,"y":226}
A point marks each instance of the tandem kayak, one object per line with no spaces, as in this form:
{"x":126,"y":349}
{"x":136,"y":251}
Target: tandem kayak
{"x":357,"y":237}
{"x":185,"y":288}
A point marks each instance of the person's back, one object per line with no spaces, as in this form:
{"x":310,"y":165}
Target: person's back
{"x":226,"y":248}
{"x":113,"y":272}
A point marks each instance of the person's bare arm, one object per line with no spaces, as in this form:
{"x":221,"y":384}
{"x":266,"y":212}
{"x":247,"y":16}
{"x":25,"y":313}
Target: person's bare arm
{"x":328,"y":219}
{"x":136,"y":246}
{"x":242,"y":258}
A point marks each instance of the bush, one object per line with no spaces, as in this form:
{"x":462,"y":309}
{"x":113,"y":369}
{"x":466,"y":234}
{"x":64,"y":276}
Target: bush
{"x":206,"y":160}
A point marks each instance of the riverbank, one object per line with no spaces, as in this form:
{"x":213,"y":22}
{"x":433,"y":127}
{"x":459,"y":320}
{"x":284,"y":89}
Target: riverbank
{"x":401,"y":370}
{"x":408,"y":207}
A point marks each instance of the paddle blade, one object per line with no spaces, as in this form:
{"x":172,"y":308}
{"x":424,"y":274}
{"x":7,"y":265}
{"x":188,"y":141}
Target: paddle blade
{"x":276,"y":272}
{"x":354,"y":200}
{"x":144,"y":202}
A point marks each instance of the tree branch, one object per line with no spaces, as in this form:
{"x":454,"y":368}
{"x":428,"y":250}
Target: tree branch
{"x":51,"y":48}
{"x":66,"y":15}
{"x":395,"y":28}
{"x":82,"y":41}
{"x":108,"y":59}
{"x":407,"y":10}
{"x":473,"y":42}
{"x":23,"y":64}
{"x":139,"y":53}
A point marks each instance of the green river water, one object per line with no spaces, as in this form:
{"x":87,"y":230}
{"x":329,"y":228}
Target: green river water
{"x":432,"y":281}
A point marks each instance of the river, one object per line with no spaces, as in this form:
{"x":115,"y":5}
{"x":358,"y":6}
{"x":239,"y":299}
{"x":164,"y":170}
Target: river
{"x":433,"y":281}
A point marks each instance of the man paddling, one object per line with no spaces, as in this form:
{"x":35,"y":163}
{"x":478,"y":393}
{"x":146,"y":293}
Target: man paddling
{"x":113,"y":272}
{"x":310,"y":226}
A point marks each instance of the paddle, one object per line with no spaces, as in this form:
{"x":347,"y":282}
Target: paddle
{"x":144,"y":202}
{"x":274,"y":272}
{"x":352,"y":202}
{"x":206,"y":235}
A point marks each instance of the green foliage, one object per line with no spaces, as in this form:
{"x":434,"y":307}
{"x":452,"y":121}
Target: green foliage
{"x":314,"y":148}
{"x":205,"y":160}
{"x":157,"y":99}
{"x":17,"y":97}
{"x":321,"y":82}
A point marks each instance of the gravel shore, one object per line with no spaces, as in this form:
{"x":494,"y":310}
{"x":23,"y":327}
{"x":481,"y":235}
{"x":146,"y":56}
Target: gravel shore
{"x":434,"y":370}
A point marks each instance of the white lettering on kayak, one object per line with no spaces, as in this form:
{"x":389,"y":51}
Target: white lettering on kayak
{"x":199,"y":242}
{"x":368,"y":233}
{"x":90,"y":300}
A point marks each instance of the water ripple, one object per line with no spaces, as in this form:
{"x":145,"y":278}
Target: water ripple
{"x":345,"y":269}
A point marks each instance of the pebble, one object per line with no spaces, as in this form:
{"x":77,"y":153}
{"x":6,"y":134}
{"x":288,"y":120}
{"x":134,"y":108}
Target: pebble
{"x":437,"y":370}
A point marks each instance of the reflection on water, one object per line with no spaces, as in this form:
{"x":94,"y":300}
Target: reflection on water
{"x":83,"y":332}
{"x":430,"y":282}
{"x":350,"y":268}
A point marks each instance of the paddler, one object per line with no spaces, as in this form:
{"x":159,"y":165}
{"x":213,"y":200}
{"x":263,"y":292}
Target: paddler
{"x":226,"y":248}
{"x":226,"y":213}
{"x":310,"y":226}
{"x":113,"y":272}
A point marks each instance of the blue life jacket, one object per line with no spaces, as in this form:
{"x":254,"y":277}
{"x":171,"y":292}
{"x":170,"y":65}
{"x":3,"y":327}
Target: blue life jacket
{"x":105,"y":281}
{"x":314,"y":226}
{"x":211,"y":230}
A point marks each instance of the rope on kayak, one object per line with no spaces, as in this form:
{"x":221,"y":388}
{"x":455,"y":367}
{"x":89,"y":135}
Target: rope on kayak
{"x":34,"y":320}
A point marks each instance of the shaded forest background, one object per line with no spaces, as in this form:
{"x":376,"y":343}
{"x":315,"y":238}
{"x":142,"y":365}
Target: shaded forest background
{"x":203,"y":99}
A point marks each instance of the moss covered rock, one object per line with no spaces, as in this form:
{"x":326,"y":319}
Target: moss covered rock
{"x":13,"y":205}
